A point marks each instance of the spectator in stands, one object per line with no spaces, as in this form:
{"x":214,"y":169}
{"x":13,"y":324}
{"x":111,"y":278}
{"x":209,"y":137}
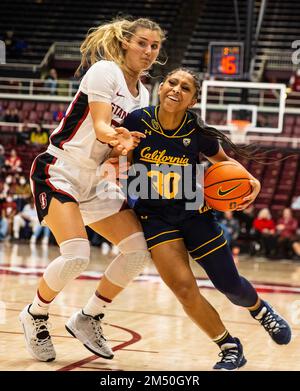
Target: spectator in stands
{"x":9,"y":186}
{"x":8,"y":211}
{"x":11,"y":115}
{"x":27,"y":217}
{"x":51,"y":82}
{"x":23,"y":133}
{"x":231,"y":228}
{"x":10,"y":42}
{"x":246,"y":218}
{"x":295,"y":81}
{"x":7,"y":116}
{"x":247,"y":232}
{"x":59,"y":114}
{"x":15,"y":115}
{"x":286,"y":228}
{"x":5,"y":187}
{"x":13,"y":162}
{"x":22,"y":192}
{"x":265,"y":227}
{"x":3,"y":226}
{"x":39,"y":136}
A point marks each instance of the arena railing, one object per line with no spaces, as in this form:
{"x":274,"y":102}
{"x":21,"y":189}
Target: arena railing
{"x":23,"y":87}
{"x":19,"y":126}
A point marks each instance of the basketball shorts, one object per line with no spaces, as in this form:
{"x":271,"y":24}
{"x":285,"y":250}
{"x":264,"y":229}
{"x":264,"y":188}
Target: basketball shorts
{"x":55,"y":177}
{"x":201,"y":233}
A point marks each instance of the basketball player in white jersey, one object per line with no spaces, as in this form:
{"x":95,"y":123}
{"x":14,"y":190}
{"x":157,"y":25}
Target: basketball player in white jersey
{"x":69,"y":193}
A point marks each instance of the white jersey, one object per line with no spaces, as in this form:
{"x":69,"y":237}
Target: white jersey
{"x":75,"y":137}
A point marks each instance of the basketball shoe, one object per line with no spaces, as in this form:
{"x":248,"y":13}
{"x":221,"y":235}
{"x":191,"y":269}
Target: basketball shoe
{"x":37,"y":337}
{"x":232,"y":357}
{"x":277,"y":327}
{"x":88,"y":330}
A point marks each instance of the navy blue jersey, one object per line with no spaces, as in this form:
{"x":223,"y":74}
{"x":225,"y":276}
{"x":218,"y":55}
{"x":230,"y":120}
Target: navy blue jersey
{"x":170,"y":157}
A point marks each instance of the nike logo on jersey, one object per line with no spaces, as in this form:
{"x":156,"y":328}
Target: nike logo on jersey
{"x":118,"y":94}
{"x":223,"y":193}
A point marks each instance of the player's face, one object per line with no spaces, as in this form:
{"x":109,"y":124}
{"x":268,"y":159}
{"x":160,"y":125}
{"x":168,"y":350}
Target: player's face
{"x":142,"y":49}
{"x":177,"y":92}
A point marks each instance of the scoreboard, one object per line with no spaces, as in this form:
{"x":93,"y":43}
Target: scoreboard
{"x":226,"y":60}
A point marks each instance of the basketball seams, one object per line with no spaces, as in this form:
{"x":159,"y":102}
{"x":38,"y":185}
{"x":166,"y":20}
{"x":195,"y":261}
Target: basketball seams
{"x":227,"y":180}
{"x":212,"y":169}
{"x":248,"y":191}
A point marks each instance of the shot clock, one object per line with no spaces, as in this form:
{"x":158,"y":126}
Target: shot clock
{"x":226,"y":59}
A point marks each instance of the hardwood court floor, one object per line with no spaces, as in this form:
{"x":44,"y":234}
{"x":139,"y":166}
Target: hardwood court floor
{"x":145,"y":325}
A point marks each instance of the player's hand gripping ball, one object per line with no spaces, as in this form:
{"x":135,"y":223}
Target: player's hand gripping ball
{"x":225,"y":186}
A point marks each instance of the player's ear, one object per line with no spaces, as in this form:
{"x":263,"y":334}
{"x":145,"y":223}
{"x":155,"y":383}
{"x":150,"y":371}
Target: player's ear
{"x":125,"y":44}
{"x":160,"y":87}
{"x":193,"y":102}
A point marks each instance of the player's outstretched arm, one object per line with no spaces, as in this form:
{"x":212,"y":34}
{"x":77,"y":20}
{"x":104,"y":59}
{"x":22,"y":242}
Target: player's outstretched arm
{"x":119,"y":137}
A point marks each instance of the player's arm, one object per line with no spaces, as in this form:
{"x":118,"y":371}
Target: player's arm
{"x":120,"y":137}
{"x":221,"y":156}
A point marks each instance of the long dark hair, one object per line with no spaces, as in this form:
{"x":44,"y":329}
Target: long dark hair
{"x":250,"y":152}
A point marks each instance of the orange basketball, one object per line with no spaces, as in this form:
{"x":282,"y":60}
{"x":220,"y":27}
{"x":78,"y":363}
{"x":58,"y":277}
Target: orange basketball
{"x":225,"y":186}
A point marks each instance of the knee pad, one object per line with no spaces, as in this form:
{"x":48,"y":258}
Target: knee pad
{"x":131,"y":262}
{"x":74,"y":259}
{"x":126,"y":267}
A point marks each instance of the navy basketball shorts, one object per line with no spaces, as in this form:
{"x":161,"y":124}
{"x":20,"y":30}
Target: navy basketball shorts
{"x":201,"y":233}
{"x":96,"y":197}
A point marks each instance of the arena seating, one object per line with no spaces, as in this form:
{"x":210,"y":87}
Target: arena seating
{"x":280,"y":25}
{"x":40,"y":23}
{"x":280,"y":179}
{"x":34,"y":111}
{"x":216,"y":23}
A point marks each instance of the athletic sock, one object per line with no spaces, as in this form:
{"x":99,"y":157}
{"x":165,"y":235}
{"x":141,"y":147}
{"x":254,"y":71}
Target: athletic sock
{"x":96,"y":305}
{"x":39,"y":306}
{"x":224,"y":339}
{"x":255,"y":312}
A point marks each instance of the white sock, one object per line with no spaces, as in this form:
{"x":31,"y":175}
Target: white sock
{"x":96,"y":305}
{"x":38,"y":306}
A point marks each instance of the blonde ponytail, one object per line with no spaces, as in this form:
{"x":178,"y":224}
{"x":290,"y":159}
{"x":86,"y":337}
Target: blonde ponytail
{"x":105,"y":42}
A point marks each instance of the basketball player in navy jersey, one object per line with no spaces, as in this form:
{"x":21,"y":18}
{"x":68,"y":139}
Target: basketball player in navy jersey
{"x":176,"y":136}
{"x":69,"y":194}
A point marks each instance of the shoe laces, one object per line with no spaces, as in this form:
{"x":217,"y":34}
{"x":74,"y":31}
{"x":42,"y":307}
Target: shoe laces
{"x":271,"y":322}
{"x":96,"y":324}
{"x":42,"y":336}
{"x":229,"y":355}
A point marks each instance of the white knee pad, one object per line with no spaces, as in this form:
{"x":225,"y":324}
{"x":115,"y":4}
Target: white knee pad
{"x":74,"y":259}
{"x":131,"y":262}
